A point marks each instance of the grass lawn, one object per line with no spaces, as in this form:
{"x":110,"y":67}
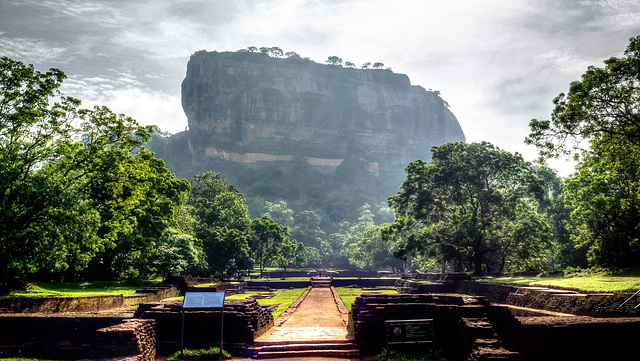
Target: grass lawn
{"x":348,"y":294}
{"x":588,"y":283}
{"x":41,"y":289}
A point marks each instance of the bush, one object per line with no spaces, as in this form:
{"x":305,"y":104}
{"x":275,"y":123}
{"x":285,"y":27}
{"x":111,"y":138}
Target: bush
{"x":211,"y":353}
{"x":387,"y":355}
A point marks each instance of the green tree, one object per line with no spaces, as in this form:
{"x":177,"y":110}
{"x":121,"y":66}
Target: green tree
{"x":269,"y":241}
{"x":306,"y":228}
{"x":604,"y":105}
{"x":65,"y":198}
{"x":602,"y":110}
{"x":334,"y":60}
{"x":280,"y":213}
{"x":473,"y":206}
{"x":222,"y":222}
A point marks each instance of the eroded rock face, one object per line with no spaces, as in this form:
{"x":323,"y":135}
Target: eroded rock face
{"x":250,"y":108}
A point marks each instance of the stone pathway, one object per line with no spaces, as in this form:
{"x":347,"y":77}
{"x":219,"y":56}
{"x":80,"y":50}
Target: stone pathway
{"x":316,"y":329}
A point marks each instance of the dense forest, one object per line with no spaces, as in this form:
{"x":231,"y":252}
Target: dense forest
{"x":82,"y":198}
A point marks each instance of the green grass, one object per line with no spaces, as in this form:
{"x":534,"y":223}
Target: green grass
{"x":348,"y":295}
{"x":212,"y":353}
{"x":67,"y":289}
{"x":283,"y":297}
{"x":587,"y":283}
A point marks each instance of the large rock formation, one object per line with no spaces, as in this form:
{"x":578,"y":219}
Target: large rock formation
{"x":321,"y":137}
{"x":254,"y":109}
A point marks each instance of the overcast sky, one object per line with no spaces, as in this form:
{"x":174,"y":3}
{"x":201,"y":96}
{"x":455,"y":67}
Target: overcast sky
{"x":499,"y":63}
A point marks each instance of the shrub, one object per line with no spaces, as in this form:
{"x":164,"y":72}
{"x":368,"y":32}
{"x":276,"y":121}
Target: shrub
{"x":211,"y":353}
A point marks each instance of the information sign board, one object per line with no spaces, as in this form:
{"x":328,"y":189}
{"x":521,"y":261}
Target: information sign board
{"x":409,"y":331}
{"x":203,"y":300}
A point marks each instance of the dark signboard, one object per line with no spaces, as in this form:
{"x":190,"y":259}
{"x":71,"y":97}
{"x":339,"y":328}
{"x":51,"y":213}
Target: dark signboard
{"x":409,"y":331}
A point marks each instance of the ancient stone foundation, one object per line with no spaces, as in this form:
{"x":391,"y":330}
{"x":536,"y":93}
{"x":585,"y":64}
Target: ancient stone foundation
{"x":460,"y":325}
{"x":243,"y":321}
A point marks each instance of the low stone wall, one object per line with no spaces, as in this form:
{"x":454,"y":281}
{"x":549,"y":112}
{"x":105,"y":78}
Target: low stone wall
{"x":243,"y":321}
{"x":364,"y":282}
{"x":60,"y":304}
{"x":84,"y":303}
{"x":279,"y":284}
{"x":52,"y":337}
{"x":557,"y":300}
{"x":369,"y":312}
{"x":134,"y":339}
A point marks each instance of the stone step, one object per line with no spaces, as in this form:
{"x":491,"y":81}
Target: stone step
{"x":355,"y":353}
{"x":305,"y":346}
{"x":267,"y":342}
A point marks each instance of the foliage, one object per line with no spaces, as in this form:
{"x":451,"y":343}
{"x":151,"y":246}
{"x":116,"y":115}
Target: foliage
{"x":212,"y":353}
{"x":473,"y":207}
{"x":75,"y":183}
{"x":604,"y":105}
{"x":603,"y":109}
{"x":269,"y":242}
{"x":334,"y":60}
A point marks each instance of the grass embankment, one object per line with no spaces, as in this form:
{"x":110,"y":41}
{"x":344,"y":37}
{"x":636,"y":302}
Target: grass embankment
{"x":599,"y":282}
{"x":348,"y":295}
{"x":70,"y":289}
{"x":283,"y":298}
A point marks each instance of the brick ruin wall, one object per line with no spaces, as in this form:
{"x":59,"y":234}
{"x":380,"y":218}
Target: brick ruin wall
{"x":461,"y":328}
{"x":84,"y":303}
{"x":243,"y":321}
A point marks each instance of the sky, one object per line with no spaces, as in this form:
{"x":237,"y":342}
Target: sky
{"x":498,"y":63}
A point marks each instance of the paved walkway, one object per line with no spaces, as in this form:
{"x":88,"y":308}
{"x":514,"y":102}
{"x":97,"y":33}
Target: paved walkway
{"x":316,"y":318}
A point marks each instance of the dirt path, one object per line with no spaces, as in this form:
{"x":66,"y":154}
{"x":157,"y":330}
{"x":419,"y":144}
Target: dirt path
{"x":317,"y":310}
{"x":316,"y":318}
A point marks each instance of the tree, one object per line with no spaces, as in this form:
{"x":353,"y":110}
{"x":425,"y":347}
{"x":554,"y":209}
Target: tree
{"x":471,"y":207}
{"x":292,"y":54}
{"x":252,"y":49}
{"x":366,"y":65}
{"x":268,"y":241}
{"x":306,"y":229}
{"x":349,"y":64}
{"x":63,"y":197}
{"x":222,"y":222}
{"x":280,"y":213}
{"x":275,"y":52}
{"x":604,"y":105}
{"x":603,"y":110}
{"x":334,"y":60}
{"x":378,"y":65}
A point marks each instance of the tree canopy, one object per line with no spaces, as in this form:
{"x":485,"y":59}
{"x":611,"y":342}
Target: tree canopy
{"x":472,"y":208}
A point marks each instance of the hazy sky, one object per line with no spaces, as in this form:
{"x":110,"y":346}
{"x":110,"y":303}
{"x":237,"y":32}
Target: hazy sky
{"x":499,"y":63}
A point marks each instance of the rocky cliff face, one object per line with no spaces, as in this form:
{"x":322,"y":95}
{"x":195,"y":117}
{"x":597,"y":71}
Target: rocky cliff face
{"x":252,"y":109}
{"x":321,"y":137}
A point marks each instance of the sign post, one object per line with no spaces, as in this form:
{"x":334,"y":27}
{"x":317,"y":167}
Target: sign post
{"x":399,"y":332}
{"x":195,"y":301}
